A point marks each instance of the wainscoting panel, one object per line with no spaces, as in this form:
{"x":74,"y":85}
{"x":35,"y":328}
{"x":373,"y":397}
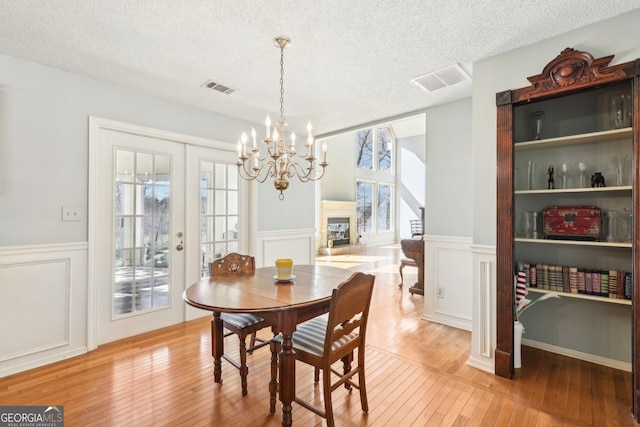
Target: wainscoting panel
{"x":296,"y":244}
{"x":43,"y":305}
{"x":448,"y":281}
{"x":483,"y":331}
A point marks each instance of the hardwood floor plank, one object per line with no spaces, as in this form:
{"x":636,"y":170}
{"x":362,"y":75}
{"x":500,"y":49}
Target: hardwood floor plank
{"x":518,"y":415}
{"x":414,"y":411}
{"x":481,"y":409}
{"x":446,"y":405}
{"x":452,"y":416}
{"x":470,"y":406}
{"x":506,"y":412}
{"x":530,"y":418}
{"x":429,"y":410}
{"x":493,"y":411}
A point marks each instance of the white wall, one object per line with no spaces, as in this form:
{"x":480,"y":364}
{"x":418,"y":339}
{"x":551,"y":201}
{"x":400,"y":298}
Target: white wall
{"x":617,"y":36}
{"x":449,"y":180}
{"x":338,"y":184}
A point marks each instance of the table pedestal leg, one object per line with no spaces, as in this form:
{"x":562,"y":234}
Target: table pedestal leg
{"x":217,"y":346}
{"x":287,"y":364}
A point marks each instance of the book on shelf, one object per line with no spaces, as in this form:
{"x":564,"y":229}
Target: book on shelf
{"x":595,"y":277}
{"x":566,"y":279}
{"x":532,"y":276}
{"x":613,"y":283}
{"x":588,"y":282}
{"x":573,"y":279}
{"x":581,"y":285}
{"x":604,"y":283}
{"x":577,"y":280}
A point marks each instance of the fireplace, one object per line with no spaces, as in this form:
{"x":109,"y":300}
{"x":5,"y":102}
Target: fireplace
{"x":338,"y":230}
{"x":337,"y":219}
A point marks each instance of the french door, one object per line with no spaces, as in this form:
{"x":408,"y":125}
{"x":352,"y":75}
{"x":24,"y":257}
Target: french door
{"x":161,"y":209}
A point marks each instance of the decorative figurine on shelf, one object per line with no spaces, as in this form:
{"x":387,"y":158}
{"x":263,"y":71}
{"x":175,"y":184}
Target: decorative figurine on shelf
{"x":551,"y":183}
{"x":597,"y":180}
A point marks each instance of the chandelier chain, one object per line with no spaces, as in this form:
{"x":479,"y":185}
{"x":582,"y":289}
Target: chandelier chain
{"x":282,"y":83}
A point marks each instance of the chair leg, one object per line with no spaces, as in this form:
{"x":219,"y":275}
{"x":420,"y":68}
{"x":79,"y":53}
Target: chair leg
{"x":252,"y":343}
{"x":273,"y":384}
{"x":316,"y":374}
{"x":346,"y":362}
{"x":244,"y":370}
{"x":362,"y":382}
{"x":401,"y":277}
{"x":326,"y":389}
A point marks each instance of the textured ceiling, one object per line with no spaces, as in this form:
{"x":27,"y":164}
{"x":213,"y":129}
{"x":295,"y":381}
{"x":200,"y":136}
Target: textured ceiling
{"x":350,"y":62}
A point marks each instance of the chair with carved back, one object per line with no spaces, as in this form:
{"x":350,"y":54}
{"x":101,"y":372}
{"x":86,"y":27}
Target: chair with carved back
{"x":240,"y":324}
{"x":324,"y":340}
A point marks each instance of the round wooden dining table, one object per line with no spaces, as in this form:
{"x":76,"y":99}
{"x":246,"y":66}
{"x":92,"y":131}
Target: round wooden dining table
{"x":283,"y":304}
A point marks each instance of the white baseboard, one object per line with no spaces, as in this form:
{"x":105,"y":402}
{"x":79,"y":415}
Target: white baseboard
{"x":484,"y":364}
{"x":604,"y":361}
{"x":36,"y":363}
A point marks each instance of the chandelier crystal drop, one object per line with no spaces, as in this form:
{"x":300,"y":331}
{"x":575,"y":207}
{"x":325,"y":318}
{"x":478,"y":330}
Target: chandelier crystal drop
{"x":279,"y":160}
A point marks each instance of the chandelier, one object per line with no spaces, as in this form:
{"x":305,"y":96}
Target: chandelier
{"x":279,"y":160}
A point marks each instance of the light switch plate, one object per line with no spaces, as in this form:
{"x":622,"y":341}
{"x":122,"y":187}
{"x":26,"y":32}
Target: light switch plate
{"x":71,"y":213}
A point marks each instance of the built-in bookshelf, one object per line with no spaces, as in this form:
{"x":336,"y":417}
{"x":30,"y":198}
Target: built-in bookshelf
{"x":569,"y":140}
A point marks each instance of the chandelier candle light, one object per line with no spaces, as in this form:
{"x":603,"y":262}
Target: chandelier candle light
{"x":279,"y":160}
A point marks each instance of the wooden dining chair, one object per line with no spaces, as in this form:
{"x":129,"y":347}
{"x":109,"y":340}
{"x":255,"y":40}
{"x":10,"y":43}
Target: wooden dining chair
{"x":324,"y":340}
{"x":240,"y":324}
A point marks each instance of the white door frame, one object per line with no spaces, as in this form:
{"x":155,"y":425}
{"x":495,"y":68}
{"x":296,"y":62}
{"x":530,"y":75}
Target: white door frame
{"x":96,"y":125}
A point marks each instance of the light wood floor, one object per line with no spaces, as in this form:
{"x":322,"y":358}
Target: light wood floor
{"x":416,"y":376}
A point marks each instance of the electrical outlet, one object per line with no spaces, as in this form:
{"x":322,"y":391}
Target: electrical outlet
{"x":71,"y":213}
{"x":440,"y":293}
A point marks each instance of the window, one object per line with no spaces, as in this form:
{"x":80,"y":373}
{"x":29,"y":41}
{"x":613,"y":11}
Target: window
{"x":383,"y":148}
{"x":374,"y":179}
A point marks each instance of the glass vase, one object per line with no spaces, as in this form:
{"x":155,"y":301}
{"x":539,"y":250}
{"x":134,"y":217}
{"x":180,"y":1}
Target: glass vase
{"x":530,"y":167}
{"x":537,"y":124}
{"x":622,"y":164}
{"x":611,"y":226}
{"x":583,"y":172}
{"x":620,"y":110}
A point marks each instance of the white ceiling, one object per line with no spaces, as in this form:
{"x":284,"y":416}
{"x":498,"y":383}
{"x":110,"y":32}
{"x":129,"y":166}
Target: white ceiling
{"x":350,"y":62}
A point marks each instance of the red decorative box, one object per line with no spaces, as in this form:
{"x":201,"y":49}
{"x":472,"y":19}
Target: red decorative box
{"x":572,"y":222}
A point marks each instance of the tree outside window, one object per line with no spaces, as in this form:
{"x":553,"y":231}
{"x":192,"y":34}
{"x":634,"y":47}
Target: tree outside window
{"x":364,"y":206}
{"x":364,"y":147}
{"x":385,"y":148}
{"x":384,"y":207}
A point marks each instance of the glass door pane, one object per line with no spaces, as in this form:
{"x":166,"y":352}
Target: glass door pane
{"x":219,"y":226}
{"x":142,"y":192}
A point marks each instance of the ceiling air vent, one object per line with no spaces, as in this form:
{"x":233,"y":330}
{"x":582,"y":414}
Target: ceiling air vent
{"x":442,"y":78}
{"x":210,"y":84}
